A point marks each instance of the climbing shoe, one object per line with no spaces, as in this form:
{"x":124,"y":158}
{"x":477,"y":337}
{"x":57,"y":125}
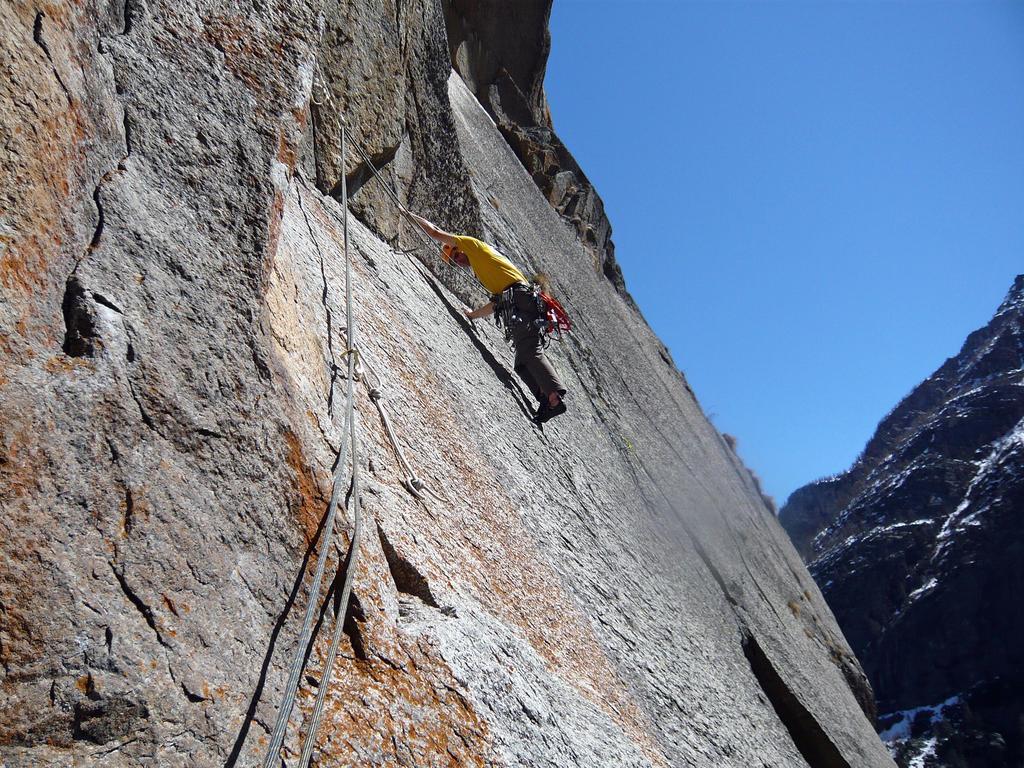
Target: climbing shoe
{"x":547,"y":412}
{"x":539,"y":415}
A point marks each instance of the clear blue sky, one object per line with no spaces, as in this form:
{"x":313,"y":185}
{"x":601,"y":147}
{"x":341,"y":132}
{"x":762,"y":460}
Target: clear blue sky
{"x":813,"y":202}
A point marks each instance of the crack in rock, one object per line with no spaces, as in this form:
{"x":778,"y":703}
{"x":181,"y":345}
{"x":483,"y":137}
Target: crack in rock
{"x":37,"y":35}
{"x":807,"y":734}
{"x":140,"y":605}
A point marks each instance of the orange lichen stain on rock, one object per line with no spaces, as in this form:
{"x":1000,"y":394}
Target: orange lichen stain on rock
{"x":45,"y":175}
{"x":377,"y":712}
{"x":251,"y":48}
{"x":84,"y":683}
{"x":43,"y":157}
{"x":309,"y":500}
{"x":169,"y":604}
{"x":19,"y":273}
{"x":13,"y":351}
{"x":286,"y":153}
{"x":26,"y":590}
{"x":66,"y":364}
{"x":19,"y":463}
{"x":21,"y":643}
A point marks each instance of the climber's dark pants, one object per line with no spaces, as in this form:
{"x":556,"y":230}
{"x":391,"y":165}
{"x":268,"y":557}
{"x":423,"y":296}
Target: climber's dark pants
{"x":531,"y":363}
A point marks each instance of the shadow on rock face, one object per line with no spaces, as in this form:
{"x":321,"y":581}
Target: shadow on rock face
{"x":104,"y":720}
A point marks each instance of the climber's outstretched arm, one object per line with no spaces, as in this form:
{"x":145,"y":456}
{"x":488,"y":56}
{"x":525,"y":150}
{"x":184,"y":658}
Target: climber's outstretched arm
{"x":483,"y":311}
{"x":435,"y":232}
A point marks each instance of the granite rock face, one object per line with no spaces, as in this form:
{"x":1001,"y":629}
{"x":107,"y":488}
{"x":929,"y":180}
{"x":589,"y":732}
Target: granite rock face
{"x":918,"y":548}
{"x":610,"y":590}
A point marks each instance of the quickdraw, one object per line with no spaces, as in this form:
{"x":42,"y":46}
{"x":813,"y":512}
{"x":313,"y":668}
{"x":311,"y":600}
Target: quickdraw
{"x":556,"y":316}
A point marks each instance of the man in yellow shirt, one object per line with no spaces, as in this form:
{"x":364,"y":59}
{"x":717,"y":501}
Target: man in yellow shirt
{"x":507,"y":284}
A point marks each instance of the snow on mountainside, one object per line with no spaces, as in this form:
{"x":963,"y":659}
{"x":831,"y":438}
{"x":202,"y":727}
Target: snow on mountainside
{"x":917,"y":548}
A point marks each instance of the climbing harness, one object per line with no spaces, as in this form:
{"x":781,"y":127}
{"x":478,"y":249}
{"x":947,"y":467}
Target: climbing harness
{"x":513,"y":318}
{"x":295,"y":671}
{"x":542,"y":313}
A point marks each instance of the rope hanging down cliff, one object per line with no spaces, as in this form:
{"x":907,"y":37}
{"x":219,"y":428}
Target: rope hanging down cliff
{"x":295,"y":671}
{"x":374,"y":391}
{"x":412,"y":482}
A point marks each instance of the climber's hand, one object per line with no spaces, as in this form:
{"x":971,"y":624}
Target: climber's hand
{"x":483,"y":311}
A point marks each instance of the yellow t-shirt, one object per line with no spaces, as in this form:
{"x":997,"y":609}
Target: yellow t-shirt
{"x":493,"y":270}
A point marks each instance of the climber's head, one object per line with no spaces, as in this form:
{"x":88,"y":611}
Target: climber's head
{"x":453,"y":254}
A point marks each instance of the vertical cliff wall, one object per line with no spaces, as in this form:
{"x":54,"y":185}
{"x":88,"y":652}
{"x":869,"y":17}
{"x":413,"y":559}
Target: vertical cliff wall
{"x":610,"y":590}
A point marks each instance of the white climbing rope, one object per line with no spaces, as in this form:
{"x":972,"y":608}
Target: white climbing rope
{"x":374,"y":391}
{"x":346,"y":589}
{"x":357,"y":368}
{"x":412,"y":482}
{"x":295,"y":671}
{"x":284,"y":713}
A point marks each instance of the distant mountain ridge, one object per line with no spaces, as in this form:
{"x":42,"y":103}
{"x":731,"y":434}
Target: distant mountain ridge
{"x":918,"y":549}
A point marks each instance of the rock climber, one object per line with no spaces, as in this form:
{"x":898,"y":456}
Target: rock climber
{"x":506,"y":284}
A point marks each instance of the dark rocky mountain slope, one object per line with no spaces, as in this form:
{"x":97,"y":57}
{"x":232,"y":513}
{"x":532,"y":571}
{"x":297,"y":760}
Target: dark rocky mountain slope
{"x":919,"y":550}
{"x":610,"y":591}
